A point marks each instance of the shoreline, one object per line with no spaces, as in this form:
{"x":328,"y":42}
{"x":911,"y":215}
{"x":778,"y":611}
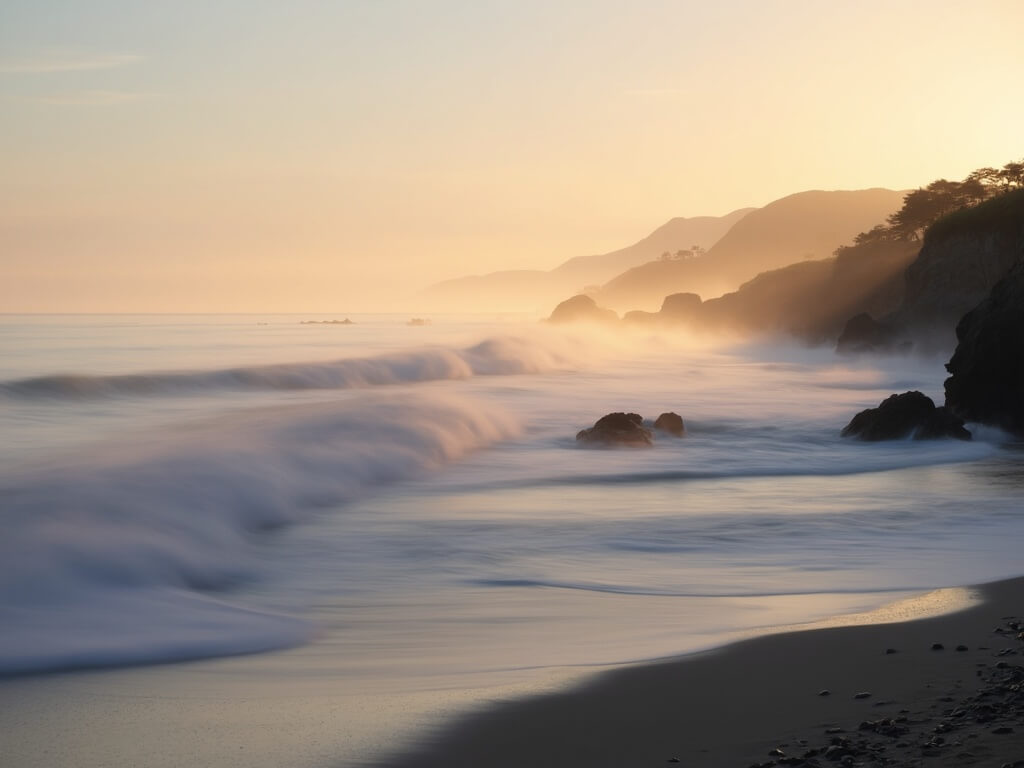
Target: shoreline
{"x":760,"y":701}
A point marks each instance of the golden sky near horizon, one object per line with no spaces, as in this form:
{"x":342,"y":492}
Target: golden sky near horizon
{"x":337,"y":156}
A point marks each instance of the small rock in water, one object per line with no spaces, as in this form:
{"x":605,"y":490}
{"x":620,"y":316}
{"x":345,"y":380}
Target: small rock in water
{"x":961,"y":648}
{"x":862,"y":695}
{"x":824,"y":692}
{"x":670,"y":422}
{"x":938,"y":647}
{"x":891,"y":650}
{"x":617,"y":429}
{"x":673,"y":760}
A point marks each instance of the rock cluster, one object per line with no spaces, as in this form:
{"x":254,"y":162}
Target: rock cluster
{"x":911,"y":414}
{"x":628,"y":429}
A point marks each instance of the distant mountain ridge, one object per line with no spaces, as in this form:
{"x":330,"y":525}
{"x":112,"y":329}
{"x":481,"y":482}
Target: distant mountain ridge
{"x":800,"y":227}
{"x":526,"y":289}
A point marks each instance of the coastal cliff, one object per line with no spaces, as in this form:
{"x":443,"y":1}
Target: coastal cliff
{"x":963,"y":257}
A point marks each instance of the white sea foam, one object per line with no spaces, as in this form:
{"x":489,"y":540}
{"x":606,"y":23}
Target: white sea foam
{"x":502,"y":355}
{"x":106,"y":556}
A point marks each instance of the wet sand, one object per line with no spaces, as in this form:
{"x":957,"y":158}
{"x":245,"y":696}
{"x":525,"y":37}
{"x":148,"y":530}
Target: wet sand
{"x":941,"y":691}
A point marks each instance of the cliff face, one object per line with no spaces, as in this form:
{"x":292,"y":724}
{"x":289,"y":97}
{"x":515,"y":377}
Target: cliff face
{"x":987,"y":382}
{"x":962,"y":258}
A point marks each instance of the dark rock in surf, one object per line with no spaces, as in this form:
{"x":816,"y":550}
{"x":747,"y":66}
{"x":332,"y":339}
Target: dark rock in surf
{"x":911,"y":414}
{"x":670,"y":422}
{"x":863,"y":333}
{"x":617,"y":429}
{"x":987,"y":381}
{"x":582,"y":308}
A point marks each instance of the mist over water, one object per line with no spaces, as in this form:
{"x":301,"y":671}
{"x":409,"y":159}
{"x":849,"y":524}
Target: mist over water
{"x":413,"y":499}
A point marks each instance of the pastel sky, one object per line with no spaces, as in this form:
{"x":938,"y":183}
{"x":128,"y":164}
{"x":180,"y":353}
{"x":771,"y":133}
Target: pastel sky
{"x":252,"y":155}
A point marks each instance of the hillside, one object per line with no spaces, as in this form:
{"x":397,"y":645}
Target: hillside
{"x":813,"y":300}
{"x":801,"y":227}
{"x":526,"y":290}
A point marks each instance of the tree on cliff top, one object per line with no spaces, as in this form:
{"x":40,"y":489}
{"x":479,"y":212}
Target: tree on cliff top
{"x":923,"y":207}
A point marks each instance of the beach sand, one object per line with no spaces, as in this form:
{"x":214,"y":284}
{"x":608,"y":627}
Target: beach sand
{"x":894,"y":698}
{"x":728,"y":707}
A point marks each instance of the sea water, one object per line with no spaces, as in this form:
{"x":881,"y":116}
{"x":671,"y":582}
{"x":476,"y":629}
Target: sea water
{"x":410,"y":502}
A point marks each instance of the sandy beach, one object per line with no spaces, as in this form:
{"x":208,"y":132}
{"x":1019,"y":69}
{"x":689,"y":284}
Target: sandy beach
{"x":938,"y":691}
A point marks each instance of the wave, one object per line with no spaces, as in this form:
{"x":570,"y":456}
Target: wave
{"x":746,"y":459}
{"x":506,"y":355}
{"x":620,"y":589}
{"x":109,"y":558}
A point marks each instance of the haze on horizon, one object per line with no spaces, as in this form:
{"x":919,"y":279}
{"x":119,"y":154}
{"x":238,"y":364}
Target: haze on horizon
{"x":336,"y":157}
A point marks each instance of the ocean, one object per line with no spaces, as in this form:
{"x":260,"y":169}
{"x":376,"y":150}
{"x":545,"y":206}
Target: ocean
{"x":405,"y":507}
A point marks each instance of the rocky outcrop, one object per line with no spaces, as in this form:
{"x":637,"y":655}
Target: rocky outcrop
{"x":617,"y":429}
{"x":676,"y":308}
{"x":813,"y":300}
{"x":672,"y":423}
{"x":680,"y":307}
{"x":582,"y":308}
{"x":964,"y":255}
{"x":863,"y":333}
{"x":911,"y":414}
{"x":987,"y":381}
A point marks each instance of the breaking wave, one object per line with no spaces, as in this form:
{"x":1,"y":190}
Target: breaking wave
{"x":110,"y":557}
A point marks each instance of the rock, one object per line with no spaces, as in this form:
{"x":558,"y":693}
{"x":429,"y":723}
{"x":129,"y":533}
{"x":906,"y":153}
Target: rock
{"x":824,"y":692}
{"x":680,"y":307}
{"x":582,"y":308}
{"x":987,"y":381}
{"x":670,"y":422}
{"x":938,"y":646}
{"x":863,"y":333}
{"x":639,"y":317}
{"x":617,"y":429}
{"x":862,"y":695}
{"x":911,"y":414}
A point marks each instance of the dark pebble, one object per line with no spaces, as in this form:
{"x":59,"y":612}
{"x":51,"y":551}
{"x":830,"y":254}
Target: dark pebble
{"x":938,"y":646}
{"x":961,"y":647}
{"x":891,"y":650}
{"x":673,"y":760}
{"x":862,"y":695}
{"x":824,"y":692}
{"x":1002,"y":730}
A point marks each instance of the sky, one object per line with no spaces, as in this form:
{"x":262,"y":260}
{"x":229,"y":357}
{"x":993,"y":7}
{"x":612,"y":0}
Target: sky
{"x":247,"y":155}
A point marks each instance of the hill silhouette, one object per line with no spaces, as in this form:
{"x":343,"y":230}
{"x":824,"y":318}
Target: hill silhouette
{"x":526,"y":290}
{"x":800,"y":227}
